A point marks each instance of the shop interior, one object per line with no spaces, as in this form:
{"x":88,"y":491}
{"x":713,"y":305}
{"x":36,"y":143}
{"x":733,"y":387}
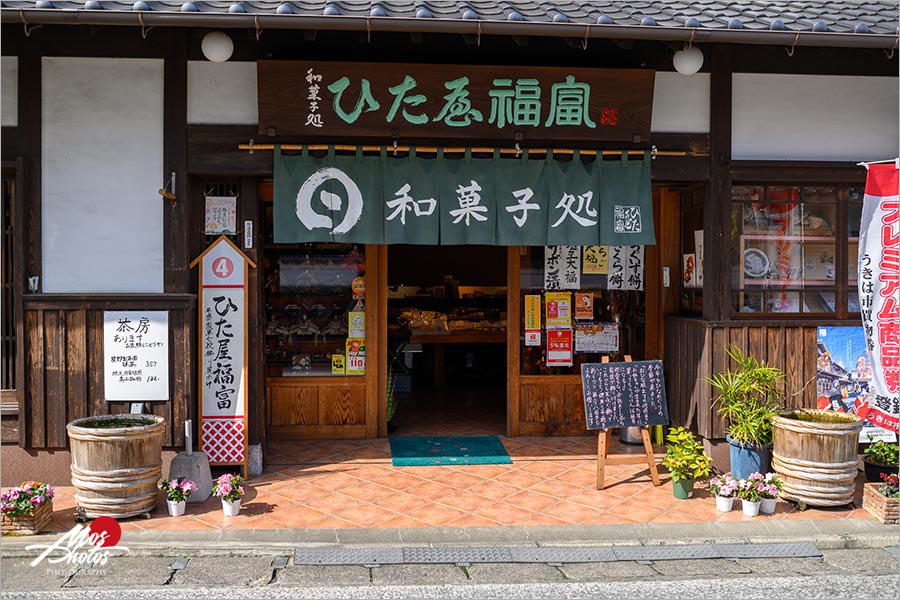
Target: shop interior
{"x":447,"y":352}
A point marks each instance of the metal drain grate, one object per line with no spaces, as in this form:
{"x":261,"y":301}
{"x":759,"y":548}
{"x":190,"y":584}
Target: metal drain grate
{"x":546,"y":554}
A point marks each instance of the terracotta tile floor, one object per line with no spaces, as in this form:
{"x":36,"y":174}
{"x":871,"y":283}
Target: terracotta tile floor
{"x":351,"y":483}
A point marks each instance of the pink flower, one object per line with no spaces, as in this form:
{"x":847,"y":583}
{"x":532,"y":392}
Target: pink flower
{"x":14,"y":494}
{"x":241,"y":489}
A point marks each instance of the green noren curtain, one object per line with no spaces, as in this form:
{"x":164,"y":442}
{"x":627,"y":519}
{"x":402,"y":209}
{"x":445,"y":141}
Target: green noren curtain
{"x":626,"y":202}
{"x":412,"y":212}
{"x":468,"y":200}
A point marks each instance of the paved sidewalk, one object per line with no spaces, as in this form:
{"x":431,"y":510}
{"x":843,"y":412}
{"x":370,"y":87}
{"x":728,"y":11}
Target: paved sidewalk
{"x":351,"y":484}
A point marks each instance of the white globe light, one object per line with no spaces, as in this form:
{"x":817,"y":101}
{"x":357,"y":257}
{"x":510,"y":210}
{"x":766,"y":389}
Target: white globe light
{"x":688,"y":61}
{"x":217,"y":46}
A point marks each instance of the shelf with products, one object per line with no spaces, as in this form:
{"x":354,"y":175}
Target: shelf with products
{"x":311,"y":293}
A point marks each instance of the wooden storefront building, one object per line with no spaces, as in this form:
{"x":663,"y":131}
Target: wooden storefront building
{"x":753,"y":159}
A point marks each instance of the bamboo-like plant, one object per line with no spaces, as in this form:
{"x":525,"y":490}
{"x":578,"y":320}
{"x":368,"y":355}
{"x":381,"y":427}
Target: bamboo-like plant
{"x":748,"y":398}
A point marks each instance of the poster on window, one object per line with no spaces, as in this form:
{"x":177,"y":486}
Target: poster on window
{"x":559,"y":348}
{"x":136,"y":355}
{"x":559,"y":309}
{"x":596,"y":338}
{"x":634,"y":267}
{"x":356,"y":356}
{"x":615,"y":279}
{"x":223,"y":353}
{"x":221,"y":215}
{"x":562,"y":267}
{"x":532,"y":320}
{"x":698,"y":256}
{"x":844,"y":377}
{"x":595,"y":260}
{"x":584,"y":306}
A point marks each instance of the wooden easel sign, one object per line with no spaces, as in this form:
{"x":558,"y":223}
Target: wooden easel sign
{"x":223,"y":353}
{"x":628,"y":394}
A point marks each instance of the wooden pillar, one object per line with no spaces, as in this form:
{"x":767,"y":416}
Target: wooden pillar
{"x":717,"y":204}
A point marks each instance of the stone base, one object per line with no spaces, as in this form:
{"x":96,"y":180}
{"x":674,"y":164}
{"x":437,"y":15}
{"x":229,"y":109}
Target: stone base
{"x":196,"y":467}
{"x":255,"y":460}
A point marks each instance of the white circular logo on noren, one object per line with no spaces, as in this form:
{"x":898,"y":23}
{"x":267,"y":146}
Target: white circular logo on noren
{"x":331,"y":201}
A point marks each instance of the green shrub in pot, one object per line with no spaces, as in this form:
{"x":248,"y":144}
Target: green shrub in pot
{"x":686,"y":460}
{"x":747,"y":399}
{"x":880,"y":457}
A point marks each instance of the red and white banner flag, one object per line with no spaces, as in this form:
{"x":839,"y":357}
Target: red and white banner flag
{"x":879,"y":291}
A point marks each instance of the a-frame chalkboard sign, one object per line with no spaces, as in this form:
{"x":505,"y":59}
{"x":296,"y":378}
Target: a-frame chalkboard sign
{"x":629,"y":394}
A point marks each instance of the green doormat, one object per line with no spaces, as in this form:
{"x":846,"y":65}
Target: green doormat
{"x":448,"y":450}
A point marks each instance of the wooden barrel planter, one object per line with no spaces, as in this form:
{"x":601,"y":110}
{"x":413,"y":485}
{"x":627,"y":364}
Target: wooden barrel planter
{"x":116,"y":464}
{"x":814,"y":452}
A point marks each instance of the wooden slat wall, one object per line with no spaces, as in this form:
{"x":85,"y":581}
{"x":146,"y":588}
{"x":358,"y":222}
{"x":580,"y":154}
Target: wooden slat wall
{"x":64,"y":370}
{"x":700,"y":348}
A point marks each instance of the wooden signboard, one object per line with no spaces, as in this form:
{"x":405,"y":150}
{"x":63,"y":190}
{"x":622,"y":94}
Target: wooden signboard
{"x":223,"y":353}
{"x":313,"y":98}
{"x":628,"y":394}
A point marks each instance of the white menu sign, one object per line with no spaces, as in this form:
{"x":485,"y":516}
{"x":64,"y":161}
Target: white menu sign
{"x":136,"y":355}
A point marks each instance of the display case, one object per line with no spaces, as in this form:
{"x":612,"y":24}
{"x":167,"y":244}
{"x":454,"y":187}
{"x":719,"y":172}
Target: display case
{"x":315,"y":310}
{"x":786,"y":248}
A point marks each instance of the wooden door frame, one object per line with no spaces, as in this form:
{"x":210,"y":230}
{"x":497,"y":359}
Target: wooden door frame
{"x":513,"y":331}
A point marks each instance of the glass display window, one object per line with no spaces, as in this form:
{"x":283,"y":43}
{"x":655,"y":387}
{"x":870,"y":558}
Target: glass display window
{"x":315,"y":310}
{"x":785,"y":249}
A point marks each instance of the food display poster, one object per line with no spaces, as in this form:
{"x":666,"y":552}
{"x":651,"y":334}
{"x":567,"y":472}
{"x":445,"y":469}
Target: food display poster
{"x":559,"y":348}
{"x":559,"y":309}
{"x":596,"y":338}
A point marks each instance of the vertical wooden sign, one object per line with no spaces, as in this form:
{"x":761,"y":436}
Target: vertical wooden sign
{"x":223,"y":353}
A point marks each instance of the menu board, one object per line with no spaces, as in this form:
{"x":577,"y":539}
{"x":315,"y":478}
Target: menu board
{"x":136,"y":355}
{"x":624,"y":394}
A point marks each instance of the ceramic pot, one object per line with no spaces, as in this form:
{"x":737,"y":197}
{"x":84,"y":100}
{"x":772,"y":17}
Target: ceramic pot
{"x":683,"y":488}
{"x":724,"y":504}
{"x":751,"y":509}
{"x":767,"y":505}
{"x":176,"y":508}
{"x":231,"y":509}
{"x":746,"y":459}
{"x":874,"y":470}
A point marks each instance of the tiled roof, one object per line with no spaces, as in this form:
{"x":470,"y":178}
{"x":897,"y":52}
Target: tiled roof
{"x":864,"y":17}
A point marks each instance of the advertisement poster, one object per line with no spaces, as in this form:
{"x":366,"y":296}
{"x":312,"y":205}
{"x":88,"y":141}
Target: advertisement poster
{"x":595,"y":260}
{"x":221,"y":215}
{"x":562,"y":267}
{"x":698,"y":255}
{"x":337,"y":364}
{"x":559,"y":309}
{"x":596,"y":338}
{"x":532,"y":320}
{"x":584,"y":306}
{"x":559,"y":348}
{"x":690,"y":270}
{"x":356,"y":357}
{"x":844,"y":377}
{"x":136,"y":355}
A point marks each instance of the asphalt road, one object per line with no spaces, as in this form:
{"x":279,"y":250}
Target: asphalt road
{"x":840,"y":573}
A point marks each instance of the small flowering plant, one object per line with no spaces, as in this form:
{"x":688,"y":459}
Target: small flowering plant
{"x":23,"y":500}
{"x":891,"y":485}
{"x":725,"y":486}
{"x":178,"y":489}
{"x":755,"y":488}
{"x":772,"y":479}
{"x":229,"y":487}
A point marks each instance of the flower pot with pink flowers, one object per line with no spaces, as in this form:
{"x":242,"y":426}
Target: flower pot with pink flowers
{"x":229,"y":489}
{"x":177,"y":490}
{"x":27,"y":509}
{"x":725,"y":489}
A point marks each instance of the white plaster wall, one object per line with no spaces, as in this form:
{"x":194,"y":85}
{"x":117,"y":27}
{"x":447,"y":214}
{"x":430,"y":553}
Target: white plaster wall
{"x":814,"y":117}
{"x":101,"y":169}
{"x":9,"y":91}
{"x":222,"y":93}
{"x":680,"y":103}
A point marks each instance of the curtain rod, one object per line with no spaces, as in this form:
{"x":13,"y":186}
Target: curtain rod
{"x":456,"y":150}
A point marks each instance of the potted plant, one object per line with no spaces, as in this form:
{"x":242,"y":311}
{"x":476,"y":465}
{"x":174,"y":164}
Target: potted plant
{"x":883,"y":499}
{"x":27,"y":509}
{"x":769,"y":494}
{"x":177,"y":491}
{"x":725,"y":489}
{"x":230,"y":489}
{"x":750,"y":491}
{"x":880,"y":457}
{"x":686,"y":461}
{"x":747,"y":399}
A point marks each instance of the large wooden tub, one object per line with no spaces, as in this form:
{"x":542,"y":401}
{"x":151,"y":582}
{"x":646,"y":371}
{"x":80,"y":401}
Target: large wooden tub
{"x":814,"y":452}
{"x":116,"y":464}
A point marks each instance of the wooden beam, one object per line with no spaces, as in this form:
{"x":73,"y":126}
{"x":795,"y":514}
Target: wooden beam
{"x":248,"y":210}
{"x":513,"y":327}
{"x":175,"y":212}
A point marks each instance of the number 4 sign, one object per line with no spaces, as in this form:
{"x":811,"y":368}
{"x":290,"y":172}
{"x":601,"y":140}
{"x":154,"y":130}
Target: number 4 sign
{"x":223,"y":353}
